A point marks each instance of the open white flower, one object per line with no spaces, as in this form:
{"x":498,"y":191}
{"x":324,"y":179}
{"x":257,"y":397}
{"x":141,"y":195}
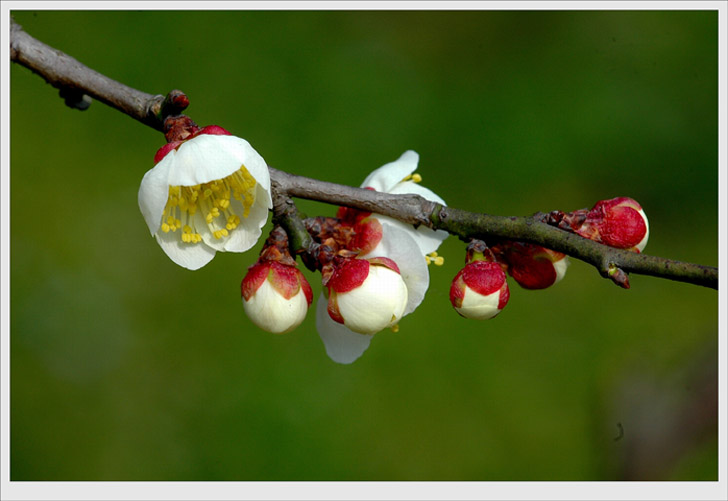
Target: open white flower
{"x":211,"y":193}
{"x":398,"y":178}
{"x":344,"y":345}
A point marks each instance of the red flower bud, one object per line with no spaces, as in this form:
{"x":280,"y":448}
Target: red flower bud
{"x":619,"y":222}
{"x":533,"y":266}
{"x":479,"y":290}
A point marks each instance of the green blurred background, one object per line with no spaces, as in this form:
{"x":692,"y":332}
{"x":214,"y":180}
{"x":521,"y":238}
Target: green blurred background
{"x":126,"y":367}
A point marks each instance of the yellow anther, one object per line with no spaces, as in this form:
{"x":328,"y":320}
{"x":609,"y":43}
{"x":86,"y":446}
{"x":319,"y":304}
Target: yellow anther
{"x":213,"y":199}
{"x":433,"y":258}
{"x":415,"y":178}
{"x":395,"y":328}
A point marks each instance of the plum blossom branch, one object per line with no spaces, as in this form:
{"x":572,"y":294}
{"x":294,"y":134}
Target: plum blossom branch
{"x":76,"y":81}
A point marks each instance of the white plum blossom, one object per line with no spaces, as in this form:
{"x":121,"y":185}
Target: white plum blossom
{"x":210,"y":193}
{"x":399,"y":177}
{"x":402,"y":243}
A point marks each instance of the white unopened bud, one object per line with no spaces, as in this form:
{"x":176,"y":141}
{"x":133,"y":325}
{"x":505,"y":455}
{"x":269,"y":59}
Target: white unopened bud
{"x":479,"y":290}
{"x":367,"y":295}
{"x":276,"y":297}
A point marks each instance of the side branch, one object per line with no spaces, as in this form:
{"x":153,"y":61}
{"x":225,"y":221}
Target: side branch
{"x":605,"y":259}
{"x":415,"y":210}
{"x":67,"y":74}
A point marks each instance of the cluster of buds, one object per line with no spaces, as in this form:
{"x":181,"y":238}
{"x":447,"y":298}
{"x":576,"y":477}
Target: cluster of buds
{"x":480,"y":291}
{"x":373,"y":270}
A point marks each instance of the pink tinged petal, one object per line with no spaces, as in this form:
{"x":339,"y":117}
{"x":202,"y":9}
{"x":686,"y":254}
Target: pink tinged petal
{"x":153,"y":194}
{"x":342,"y":345}
{"x":399,"y":246}
{"x":368,"y":235}
{"x":214,"y":130}
{"x":286,"y":280}
{"x":349,"y":275}
{"x":192,"y":257}
{"x":388,"y":176}
{"x":164,"y":150}
{"x":253,"y":279}
{"x":484,"y":277}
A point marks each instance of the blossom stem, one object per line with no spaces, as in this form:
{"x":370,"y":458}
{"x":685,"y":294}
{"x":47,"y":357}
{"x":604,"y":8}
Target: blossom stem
{"x":285,"y":214}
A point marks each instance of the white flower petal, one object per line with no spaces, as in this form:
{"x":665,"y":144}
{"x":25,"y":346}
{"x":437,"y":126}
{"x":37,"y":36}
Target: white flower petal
{"x":416,"y":189}
{"x":190,"y":256}
{"x":247,"y":234}
{"x":427,"y":239}
{"x":342,"y":345}
{"x":560,"y":267}
{"x":153,"y":194}
{"x":643,"y":243}
{"x":388,"y":176}
{"x":209,"y":157}
{"x":399,"y":246}
{"x":479,"y":307}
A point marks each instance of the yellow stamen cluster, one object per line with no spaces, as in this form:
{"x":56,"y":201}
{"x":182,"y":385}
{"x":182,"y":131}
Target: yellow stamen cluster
{"x":415,"y":178}
{"x":433,"y":258}
{"x":212,"y":200}
{"x":394,"y":328}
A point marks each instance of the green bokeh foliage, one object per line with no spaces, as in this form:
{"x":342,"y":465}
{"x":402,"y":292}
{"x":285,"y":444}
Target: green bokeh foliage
{"x":127,"y":367}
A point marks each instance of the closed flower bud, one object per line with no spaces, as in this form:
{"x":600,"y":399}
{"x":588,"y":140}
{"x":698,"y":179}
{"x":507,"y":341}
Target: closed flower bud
{"x":533,"y":266}
{"x":619,"y":222}
{"x":276,"y":297}
{"x":367,"y":295}
{"x":479,"y":290}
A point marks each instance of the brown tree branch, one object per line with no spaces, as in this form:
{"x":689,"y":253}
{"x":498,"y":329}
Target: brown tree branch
{"x":69,"y":75}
